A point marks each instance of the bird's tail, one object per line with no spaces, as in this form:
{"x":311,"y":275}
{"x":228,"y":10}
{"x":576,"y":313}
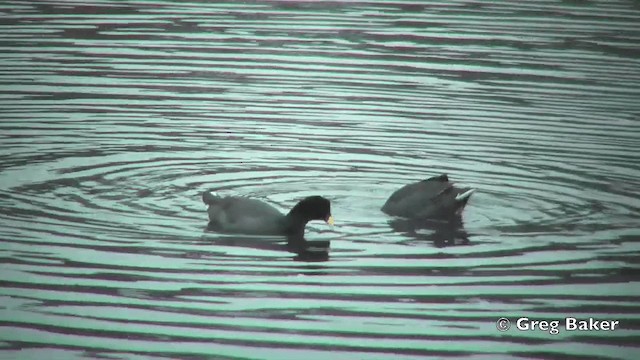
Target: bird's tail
{"x":209,"y":198}
{"x":464,"y":196}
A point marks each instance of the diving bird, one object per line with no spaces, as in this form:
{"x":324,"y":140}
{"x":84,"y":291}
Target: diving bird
{"x":435,"y":197}
{"x":234,"y":214}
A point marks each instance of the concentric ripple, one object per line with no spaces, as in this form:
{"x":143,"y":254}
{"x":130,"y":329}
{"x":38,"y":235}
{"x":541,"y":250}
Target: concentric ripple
{"x":116,"y":116}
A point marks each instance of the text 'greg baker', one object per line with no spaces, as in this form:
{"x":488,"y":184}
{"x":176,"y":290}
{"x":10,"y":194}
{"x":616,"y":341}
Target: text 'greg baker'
{"x":553,"y":326}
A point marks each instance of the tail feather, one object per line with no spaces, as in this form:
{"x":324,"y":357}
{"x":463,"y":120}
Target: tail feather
{"x":208,"y":198}
{"x":465,"y":195}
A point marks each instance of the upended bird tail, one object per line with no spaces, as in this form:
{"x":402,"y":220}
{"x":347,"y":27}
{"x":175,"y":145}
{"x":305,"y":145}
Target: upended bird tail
{"x":464,"y":196}
{"x":209,"y":198}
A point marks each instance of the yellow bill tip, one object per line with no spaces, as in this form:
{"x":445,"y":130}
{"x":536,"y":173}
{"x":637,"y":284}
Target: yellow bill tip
{"x":330,"y":220}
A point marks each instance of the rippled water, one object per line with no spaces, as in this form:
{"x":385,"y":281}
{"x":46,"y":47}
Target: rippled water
{"x":116,"y":116}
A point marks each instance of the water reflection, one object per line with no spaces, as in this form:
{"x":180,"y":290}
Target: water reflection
{"x":440,"y":232}
{"x":314,"y":250}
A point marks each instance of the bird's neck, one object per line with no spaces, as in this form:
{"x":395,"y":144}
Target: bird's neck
{"x":294,"y":230}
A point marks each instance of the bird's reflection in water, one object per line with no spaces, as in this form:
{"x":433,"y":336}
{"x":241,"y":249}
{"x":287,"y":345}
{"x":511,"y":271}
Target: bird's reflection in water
{"x":309,"y":251}
{"x":442,"y":232}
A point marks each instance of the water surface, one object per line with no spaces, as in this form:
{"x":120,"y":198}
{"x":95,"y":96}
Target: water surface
{"x":116,"y":116}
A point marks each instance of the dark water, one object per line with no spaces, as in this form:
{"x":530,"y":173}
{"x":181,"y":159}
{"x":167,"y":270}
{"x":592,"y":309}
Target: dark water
{"x":116,"y":116}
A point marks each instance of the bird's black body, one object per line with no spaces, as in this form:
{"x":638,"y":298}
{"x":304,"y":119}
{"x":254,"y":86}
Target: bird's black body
{"x":240,"y":215}
{"x":435,"y":197}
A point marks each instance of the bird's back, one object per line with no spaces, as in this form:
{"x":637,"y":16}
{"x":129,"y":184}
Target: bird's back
{"x":432,"y":197}
{"x":243,"y":215}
